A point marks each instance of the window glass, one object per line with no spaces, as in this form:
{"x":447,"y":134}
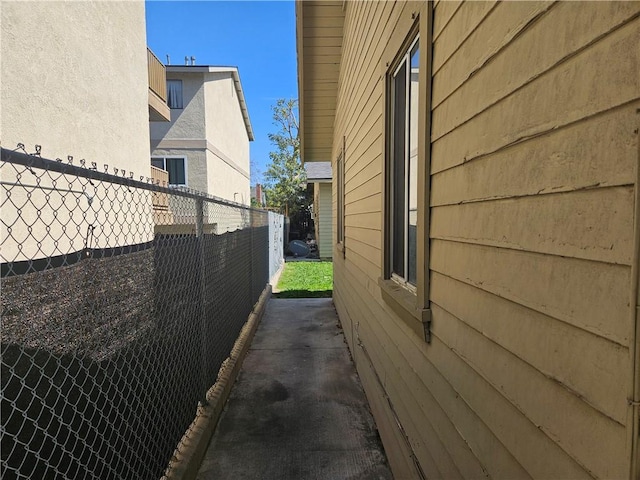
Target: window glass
{"x":158,"y":162}
{"x":399,"y":168}
{"x":404,"y":103}
{"x":175,"y":167}
{"x":413,"y":165}
{"x":174,"y":93}
{"x":340,"y":199}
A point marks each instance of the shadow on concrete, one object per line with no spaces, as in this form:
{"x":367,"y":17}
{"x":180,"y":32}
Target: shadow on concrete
{"x":297,"y":410}
{"x":303,"y":294}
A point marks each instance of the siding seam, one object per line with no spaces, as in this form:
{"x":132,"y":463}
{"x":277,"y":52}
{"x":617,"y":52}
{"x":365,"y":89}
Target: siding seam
{"x":515,"y":406}
{"x":528,"y":307}
{"x":550,"y":377}
{"x":444,"y":26}
{"x":464,"y":40}
{"x":443,"y":378}
{"x":491,"y":57}
{"x":374,"y":69}
{"x":479,"y":242}
{"x":542,"y":133}
{"x":539,"y":193}
{"x":539,"y":75}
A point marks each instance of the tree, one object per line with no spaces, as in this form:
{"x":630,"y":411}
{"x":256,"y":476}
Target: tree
{"x":285,"y":178}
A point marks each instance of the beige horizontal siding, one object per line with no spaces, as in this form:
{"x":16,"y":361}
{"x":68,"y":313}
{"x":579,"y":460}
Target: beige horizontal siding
{"x":585,"y":363}
{"x":325,"y":218}
{"x":589,"y":295}
{"x":462,"y":24}
{"x":573,"y":91}
{"x":579,"y":224}
{"x":443,"y":13}
{"x":534,"y":152}
{"x":528,"y":57}
{"x":599,"y":152}
{"x":499,"y":28}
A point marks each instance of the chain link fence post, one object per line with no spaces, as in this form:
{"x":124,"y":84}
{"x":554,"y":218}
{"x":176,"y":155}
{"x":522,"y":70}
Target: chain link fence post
{"x":203,"y":298}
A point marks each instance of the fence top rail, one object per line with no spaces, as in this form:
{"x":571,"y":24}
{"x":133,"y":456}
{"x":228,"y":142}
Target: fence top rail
{"x":36,"y":161}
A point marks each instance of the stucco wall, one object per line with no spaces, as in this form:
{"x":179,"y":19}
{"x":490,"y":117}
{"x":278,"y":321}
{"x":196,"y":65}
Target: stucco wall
{"x":224,"y":122}
{"x":187,"y":122}
{"x":226,"y":182}
{"x":210,"y":122}
{"x":74,"y":80}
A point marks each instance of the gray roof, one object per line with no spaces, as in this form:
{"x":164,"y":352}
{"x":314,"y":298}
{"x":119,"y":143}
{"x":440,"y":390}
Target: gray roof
{"x":318,"y":171}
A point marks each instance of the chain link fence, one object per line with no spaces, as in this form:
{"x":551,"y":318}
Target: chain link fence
{"x":120,"y":300}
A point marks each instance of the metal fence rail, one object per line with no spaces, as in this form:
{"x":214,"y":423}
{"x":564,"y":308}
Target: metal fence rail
{"x":120,"y":300}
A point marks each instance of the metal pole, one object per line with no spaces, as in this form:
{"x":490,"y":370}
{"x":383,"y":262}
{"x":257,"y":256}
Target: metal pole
{"x":203,"y":312}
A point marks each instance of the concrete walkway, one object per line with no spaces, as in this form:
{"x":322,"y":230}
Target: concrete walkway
{"x":297,"y":410}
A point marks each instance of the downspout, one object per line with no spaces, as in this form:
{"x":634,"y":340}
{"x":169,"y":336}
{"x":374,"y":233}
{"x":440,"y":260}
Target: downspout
{"x":634,"y":472}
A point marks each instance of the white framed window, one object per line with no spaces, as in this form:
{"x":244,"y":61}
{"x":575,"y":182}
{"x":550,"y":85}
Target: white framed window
{"x":174,"y":94}
{"x":176,"y":166}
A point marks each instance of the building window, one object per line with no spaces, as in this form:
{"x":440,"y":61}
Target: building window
{"x":174,"y":93}
{"x":176,"y":166}
{"x":340,"y":199}
{"x":407,"y":65}
{"x":403,"y":143}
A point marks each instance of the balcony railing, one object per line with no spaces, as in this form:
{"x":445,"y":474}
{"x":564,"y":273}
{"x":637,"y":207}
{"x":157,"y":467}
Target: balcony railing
{"x":158,"y":109}
{"x":157,"y":76}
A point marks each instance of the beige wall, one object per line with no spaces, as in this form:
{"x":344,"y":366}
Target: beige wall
{"x":188,"y":122}
{"x":226,"y":181}
{"x":224,"y":121}
{"x":534,"y":155}
{"x":74,"y":80}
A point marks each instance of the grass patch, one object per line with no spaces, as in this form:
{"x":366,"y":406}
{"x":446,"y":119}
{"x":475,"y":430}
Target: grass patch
{"x":306,"y":280}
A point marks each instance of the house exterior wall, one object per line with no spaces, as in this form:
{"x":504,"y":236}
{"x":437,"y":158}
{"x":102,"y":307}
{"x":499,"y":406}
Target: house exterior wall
{"x":187,"y":123}
{"x":226,"y":180}
{"x":325,"y":220}
{"x":197,"y":165}
{"x":75,"y":83}
{"x":74,"y":80}
{"x":534,"y":158}
{"x":224,"y":122}
{"x":210,"y":132}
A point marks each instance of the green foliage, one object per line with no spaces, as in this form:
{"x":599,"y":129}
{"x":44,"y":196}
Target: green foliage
{"x":285,"y":178}
{"x":306,"y":280}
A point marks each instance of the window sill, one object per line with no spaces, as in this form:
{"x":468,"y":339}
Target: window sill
{"x":403,"y":303}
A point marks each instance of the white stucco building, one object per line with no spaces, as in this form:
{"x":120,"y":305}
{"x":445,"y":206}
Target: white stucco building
{"x":206,"y":145}
{"x":74,"y":80}
{"x":77,"y":79}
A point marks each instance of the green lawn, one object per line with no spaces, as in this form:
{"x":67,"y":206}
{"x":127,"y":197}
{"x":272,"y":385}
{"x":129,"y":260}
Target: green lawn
{"x":306,"y":280}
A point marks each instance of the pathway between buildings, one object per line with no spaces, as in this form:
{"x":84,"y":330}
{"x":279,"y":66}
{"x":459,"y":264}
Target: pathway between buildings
{"x":297,"y":410}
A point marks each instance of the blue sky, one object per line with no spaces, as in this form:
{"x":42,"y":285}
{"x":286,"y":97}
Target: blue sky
{"x":258,"y":37}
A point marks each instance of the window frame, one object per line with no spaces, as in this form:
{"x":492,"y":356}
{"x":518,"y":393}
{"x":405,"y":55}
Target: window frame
{"x":409,"y":302}
{"x":340,"y":196}
{"x":177,"y":81}
{"x":164,"y":159}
